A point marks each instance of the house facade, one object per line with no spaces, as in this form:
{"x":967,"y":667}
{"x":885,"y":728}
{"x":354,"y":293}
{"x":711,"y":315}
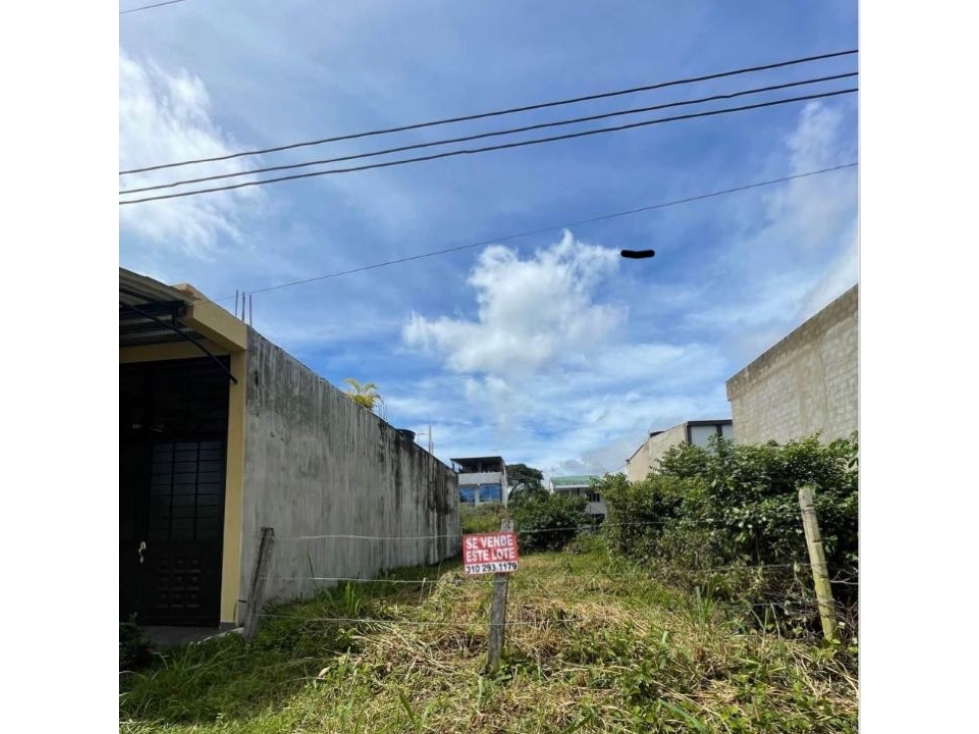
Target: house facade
{"x":697,"y":433}
{"x":482,"y":480}
{"x":223,"y":433}
{"x":582,"y":486}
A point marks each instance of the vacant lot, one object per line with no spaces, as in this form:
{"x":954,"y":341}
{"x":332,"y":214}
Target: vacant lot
{"x":593,"y":646}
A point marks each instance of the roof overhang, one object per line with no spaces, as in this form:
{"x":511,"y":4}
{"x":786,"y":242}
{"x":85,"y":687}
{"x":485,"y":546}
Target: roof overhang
{"x":472,"y":463}
{"x":152,"y":313}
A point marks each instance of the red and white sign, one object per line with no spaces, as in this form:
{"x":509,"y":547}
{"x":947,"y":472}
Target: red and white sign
{"x":489,"y":553}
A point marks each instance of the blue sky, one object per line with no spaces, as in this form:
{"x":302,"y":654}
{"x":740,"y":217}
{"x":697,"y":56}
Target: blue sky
{"x":547,"y":349}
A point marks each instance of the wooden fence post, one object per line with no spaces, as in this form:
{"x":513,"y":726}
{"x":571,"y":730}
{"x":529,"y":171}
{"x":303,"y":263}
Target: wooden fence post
{"x":497,"y":625}
{"x":256,"y":596}
{"x":817,"y":562}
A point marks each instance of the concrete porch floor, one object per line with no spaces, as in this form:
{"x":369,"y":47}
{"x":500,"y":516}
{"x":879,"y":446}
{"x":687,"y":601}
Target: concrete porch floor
{"x":162,"y":637}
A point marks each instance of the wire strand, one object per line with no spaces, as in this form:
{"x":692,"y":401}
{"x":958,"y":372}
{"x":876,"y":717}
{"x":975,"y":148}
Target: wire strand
{"x":551,"y":228}
{"x":497,"y":113}
{"x":419,"y":622}
{"x":150,"y":7}
{"x":481,"y":136}
{"x":503,"y":146}
{"x":476,"y":577}
{"x":451,"y":536}
{"x":354,"y":580}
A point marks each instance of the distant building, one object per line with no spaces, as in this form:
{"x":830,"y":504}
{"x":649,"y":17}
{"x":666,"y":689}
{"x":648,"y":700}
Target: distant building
{"x":807,"y":383}
{"x":482,"y":479}
{"x":581,"y":486}
{"x":696,"y":433}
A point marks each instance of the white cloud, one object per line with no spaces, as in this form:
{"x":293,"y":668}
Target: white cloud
{"x":841,"y":275}
{"x":550,"y":385}
{"x":561,"y":423}
{"x":163,"y":117}
{"x":798,"y":249}
{"x":529,"y":311}
{"x":809,"y":215}
{"x":545,"y":370}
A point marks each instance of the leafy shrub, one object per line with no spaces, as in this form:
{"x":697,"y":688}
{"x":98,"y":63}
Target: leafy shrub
{"x":737,"y":506}
{"x":134,"y":648}
{"x":590,"y":542}
{"x":522,"y":494}
{"x":749,"y":495}
{"x":549,"y":521}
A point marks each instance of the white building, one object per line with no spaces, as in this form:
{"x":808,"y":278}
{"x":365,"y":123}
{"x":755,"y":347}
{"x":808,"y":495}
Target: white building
{"x":697,"y":433}
{"x":581,"y":486}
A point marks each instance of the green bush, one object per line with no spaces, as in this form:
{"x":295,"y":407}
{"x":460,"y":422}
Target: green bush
{"x":649,"y":520}
{"x":134,"y":648}
{"x":731,"y":505}
{"x":749,"y":495}
{"x":590,"y":542}
{"x":549,"y":521}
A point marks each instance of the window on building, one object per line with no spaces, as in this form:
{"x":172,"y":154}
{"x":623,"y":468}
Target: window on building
{"x":701,"y":435}
{"x":490,"y":493}
{"x":594,"y":497}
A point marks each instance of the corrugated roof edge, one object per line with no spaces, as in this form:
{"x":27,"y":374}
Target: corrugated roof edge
{"x":135,"y":286}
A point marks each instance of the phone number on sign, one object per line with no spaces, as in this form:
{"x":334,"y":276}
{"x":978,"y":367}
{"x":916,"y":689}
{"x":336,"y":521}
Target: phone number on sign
{"x":499,"y":567}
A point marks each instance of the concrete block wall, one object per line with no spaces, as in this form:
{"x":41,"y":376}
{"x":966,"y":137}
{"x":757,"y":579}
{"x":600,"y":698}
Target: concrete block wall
{"x":316,"y":463}
{"x":807,"y":383}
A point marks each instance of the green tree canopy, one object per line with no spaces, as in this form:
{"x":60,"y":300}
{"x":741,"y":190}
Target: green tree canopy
{"x":521,"y":474}
{"x":524,"y":481}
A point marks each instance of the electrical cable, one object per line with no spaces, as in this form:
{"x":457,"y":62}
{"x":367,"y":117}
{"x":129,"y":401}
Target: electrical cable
{"x":479,"y":136}
{"x":471,"y":151}
{"x":553,"y":227}
{"x":497,"y":113}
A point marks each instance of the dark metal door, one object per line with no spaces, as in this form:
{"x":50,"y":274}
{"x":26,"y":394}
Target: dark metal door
{"x":181,"y":578}
{"x":134,"y":462}
{"x":173,"y":442}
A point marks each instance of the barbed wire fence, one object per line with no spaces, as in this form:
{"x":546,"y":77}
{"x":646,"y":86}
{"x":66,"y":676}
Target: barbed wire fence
{"x":783,"y":595}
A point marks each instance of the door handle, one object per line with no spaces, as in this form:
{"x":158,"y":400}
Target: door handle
{"x":142,"y":547}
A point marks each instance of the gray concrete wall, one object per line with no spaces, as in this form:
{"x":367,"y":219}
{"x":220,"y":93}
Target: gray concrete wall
{"x":807,"y":383}
{"x":316,"y":463}
{"x":655,"y":447}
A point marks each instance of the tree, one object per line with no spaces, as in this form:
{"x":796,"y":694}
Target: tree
{"x":548,"y":521}
{"x":524,"y":481}
{"x":365,"y":395}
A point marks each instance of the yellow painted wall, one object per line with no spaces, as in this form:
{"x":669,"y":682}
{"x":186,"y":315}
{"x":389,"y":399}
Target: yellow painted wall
{"x":233,"y":492}
{"x":163,"y":352}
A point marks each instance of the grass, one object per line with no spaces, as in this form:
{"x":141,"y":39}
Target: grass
{"x":482,"y":518}
{"x":599,"y":647}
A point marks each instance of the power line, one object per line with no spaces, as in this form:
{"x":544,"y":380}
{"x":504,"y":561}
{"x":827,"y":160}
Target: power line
{"x":504,"y":146}
{"x":551,"y":228}
{"x":497,"y":113}
{"x":495,"y":133}
{"x":150,"y":7}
